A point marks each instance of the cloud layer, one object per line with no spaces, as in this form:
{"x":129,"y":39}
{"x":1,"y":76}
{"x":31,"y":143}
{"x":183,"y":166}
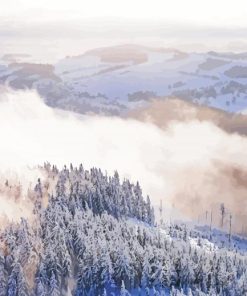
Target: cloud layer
{"x":192,"y":165}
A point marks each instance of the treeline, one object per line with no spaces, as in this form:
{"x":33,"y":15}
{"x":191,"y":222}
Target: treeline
{"x":100,"y":192}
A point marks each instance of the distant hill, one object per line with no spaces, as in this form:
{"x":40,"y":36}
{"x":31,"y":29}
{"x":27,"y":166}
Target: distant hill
{"x":113,"y":80}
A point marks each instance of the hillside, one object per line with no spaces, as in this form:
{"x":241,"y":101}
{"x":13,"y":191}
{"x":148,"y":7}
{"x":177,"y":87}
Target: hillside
{"x":117,"y":79}
{"x":92,"y":234}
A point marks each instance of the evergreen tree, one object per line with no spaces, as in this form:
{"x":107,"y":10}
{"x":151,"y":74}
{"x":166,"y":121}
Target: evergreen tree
{"x":3,"y":276}
{"x":54,"y":288}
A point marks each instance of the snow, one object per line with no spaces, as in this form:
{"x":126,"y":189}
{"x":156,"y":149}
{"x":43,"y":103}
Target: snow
{"x":164,"y":73}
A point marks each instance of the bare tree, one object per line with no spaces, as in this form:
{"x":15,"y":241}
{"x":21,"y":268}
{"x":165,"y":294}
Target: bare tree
{"x":230,"y":228}
{"x":223,"y":212}
{"x":161,"y":212}
{"x":211,"y":221}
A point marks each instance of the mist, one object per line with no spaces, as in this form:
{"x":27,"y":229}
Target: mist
{"x":192,"y":165}
{"x":51,"y":40}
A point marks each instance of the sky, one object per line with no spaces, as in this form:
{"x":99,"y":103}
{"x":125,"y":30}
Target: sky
{"x":210,"y":12}
{"x":49,"y":30}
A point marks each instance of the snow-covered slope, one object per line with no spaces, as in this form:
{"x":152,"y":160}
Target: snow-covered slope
{"x":113,"y":80}
{"x":92,"y":234}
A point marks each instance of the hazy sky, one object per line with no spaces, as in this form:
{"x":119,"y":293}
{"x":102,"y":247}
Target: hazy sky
{"x":52,"y":29}
{"x":211,"y":12}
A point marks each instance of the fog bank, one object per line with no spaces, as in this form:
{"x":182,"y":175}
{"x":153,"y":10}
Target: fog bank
{"x":192,"y":165}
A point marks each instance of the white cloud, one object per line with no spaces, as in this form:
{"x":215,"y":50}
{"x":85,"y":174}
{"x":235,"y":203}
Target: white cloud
{"x":190,"y":164}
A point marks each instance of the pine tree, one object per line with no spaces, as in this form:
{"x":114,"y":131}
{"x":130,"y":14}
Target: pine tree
{"x":54,"y":289}
{"x":123,"y":269}
{"x":40,"y":289}
{"x":17,"y":284}
{"x":123,"y":291}
{"x":3,"y":283}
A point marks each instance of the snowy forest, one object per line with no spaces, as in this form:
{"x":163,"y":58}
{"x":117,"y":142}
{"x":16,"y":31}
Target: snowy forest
{"x":93,"y":234}
{"x":123,"y":148}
